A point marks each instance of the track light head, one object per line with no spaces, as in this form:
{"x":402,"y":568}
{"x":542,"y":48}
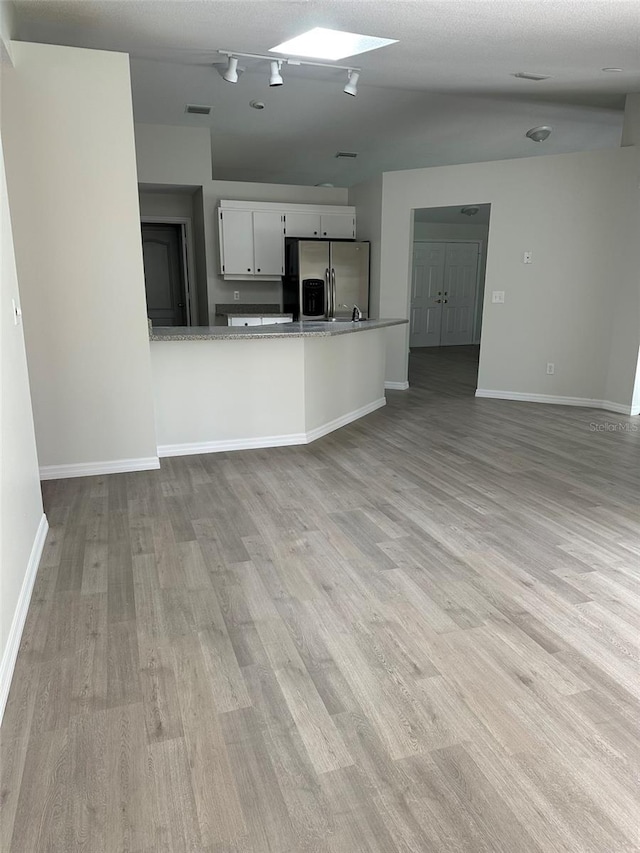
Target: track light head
{"x":352,"y":83}
{"x":275,"y":78}
{"x":231,"y":74}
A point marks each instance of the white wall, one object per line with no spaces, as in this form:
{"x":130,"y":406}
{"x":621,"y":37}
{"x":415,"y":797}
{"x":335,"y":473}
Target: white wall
{"x":261,"y":393}
{"x":178,"y":204}
{"x":455,"y":231}
{"x":251,"y":291}
{"x":576,"y":213}
{"x":168,"y":154}
{"x":21,"y":515}
{"x":71,"y":173}
{"x":631,"y":126}
{"x":367,"y":200}
{"x":252,"y":389}
{"x":343,"y":374}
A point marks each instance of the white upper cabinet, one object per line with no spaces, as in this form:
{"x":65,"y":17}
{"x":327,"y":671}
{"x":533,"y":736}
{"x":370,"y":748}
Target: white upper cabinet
{"x":335,"y":226}
{"x":252,"y":234}
{"x":302,"y":224}
{"x":236,"y":242}
{"x":268,"y":242}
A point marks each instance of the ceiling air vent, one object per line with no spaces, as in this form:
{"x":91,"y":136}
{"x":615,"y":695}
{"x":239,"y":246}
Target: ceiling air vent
{"x":197,"y":110}
{"x":529,"y":75}
{"x":346,"y":155}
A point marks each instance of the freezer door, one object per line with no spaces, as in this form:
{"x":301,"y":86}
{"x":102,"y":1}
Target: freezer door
{"x":350,"y":277}
{"x":313,"y":264}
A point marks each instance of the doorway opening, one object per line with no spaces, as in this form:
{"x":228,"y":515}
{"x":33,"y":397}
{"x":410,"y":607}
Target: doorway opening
{"x":165,"y":250}
{"x":449,"y":256}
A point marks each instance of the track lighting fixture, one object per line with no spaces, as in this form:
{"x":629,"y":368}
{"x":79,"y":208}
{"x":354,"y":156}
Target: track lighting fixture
{"x":352,"y":83}
{"x":275,"y":77}
{"x":232,"y":72}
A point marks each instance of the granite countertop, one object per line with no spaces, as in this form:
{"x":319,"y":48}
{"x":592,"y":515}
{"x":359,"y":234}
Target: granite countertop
{"x":307,"y":329}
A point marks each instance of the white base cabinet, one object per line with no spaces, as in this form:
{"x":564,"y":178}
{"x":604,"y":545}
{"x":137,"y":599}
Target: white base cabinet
{"x":251,"y":234}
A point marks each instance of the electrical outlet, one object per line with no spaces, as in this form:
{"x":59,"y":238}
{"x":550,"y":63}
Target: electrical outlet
{"x":497,"y":296}
{"x":551,"y":368}
{"x":236,"y":295}
{"x":527,"y":258}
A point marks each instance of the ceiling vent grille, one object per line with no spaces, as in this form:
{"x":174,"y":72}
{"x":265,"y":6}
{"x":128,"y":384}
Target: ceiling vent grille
{"x":346,"y":155}
{"x":529,"y":75}
{"x":198,"y":109}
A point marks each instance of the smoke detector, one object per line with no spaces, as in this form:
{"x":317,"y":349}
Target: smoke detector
{"x":539,"y":134}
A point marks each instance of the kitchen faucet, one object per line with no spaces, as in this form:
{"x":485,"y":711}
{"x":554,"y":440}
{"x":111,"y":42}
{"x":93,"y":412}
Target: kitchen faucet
{"x":357,"y":314}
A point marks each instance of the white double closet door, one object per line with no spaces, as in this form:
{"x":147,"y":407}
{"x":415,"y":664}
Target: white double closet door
{"x":443,"y":293}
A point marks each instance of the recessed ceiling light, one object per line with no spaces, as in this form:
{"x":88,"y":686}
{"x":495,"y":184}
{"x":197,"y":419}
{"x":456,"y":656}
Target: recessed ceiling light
{"x":257,"y":105}
{"x":530,"y":75}
{"x":613,"y":70}
{"x":321,"y":43}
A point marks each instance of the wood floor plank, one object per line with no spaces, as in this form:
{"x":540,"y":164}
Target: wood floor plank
{"x":220,"y":815}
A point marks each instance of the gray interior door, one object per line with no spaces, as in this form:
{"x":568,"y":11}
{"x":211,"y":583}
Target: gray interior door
{"x":164,"y":274}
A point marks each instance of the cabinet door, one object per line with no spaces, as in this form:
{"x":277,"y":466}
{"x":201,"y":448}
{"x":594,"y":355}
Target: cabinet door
{"x":302,"y":224}
{"x":338,"y":225}
{"x":236,"y":245}
{"x":244,"y":321}
{"x":268,"y":243}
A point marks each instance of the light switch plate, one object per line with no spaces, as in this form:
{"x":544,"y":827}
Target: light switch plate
{"x":497,"y":296}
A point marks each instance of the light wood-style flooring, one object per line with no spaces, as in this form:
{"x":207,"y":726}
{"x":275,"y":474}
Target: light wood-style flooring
{"x":417,"y":635}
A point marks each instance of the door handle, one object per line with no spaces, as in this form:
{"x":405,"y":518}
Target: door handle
{"x":327,"y":288}
{"x":438,"y":300}
{"x":180,"y":304}
{"x":333,"y":292}
{"x":445,"y":300}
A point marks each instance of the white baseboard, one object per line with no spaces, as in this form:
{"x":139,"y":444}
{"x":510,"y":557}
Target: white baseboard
{"x":318,"y":432}
{"x":196,"y":447}
{"x":286,"y":440}
{"x":395,"y":386}
{"x":91,"y":469}
{"x":583,"y":402}
{"x":10,"y":654}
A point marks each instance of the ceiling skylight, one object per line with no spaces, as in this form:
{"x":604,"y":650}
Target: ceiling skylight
{"x":320,"y":43}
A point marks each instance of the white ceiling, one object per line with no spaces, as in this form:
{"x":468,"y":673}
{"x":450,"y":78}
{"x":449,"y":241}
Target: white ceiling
{"x":444,"y":94}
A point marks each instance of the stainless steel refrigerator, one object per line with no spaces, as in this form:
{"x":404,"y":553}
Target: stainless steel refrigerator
{"x":324,"y":279}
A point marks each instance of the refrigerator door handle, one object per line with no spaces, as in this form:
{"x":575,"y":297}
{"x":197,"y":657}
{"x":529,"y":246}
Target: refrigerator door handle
{"x":333,"y":292}
{"x":327,"y":288}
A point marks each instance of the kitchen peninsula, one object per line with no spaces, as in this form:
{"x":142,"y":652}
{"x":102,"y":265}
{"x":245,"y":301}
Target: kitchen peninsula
{"x":220,"y":388}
